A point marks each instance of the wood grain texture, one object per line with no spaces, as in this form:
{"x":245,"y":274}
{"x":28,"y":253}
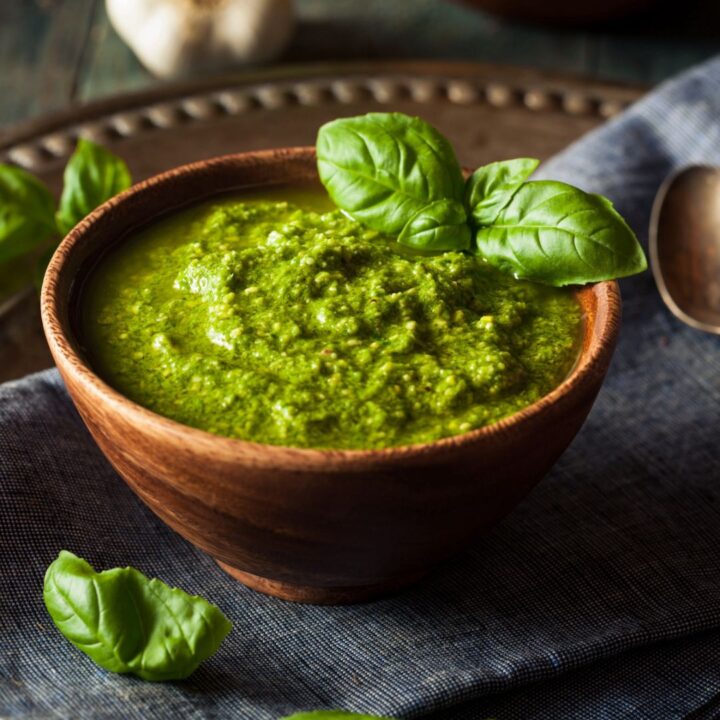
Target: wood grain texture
{"x":344,"y":30}
{"x":362,"y":31}
{"x":309,"y":525}
{"x":110,"y":66}
{"x":485,"y":106}
{"x":46,"y":63}
{"x":41,"y":50}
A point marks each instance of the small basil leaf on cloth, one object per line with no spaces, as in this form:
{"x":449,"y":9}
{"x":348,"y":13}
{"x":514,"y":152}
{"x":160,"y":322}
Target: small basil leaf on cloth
{"x":332,"y":715}
{"x":491,"y":187}
{"x":92,"y":176}
{"x":27,"y":212}
{"x":440,"y":226}
{"x":129,"y":624}
{"x":383,"y":168}
{"x":557,"y":234}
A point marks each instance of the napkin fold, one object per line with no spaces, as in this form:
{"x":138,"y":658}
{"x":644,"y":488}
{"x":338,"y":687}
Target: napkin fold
{"x":599,"y":597}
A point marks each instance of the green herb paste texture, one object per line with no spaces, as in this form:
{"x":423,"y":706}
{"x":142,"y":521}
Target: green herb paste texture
{"x":274,"y":318}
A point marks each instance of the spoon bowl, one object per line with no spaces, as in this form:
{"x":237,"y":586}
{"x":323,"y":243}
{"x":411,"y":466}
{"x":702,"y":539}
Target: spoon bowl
{"x":685,"y":246}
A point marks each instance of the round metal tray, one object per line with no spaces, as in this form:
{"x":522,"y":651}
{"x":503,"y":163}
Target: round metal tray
{"x":489,"y":113}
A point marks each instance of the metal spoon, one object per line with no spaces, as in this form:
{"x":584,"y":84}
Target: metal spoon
{"x":685,"y":246}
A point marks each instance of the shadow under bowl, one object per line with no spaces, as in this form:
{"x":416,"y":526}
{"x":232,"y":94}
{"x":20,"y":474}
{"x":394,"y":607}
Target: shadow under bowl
{"x":319,"y":526}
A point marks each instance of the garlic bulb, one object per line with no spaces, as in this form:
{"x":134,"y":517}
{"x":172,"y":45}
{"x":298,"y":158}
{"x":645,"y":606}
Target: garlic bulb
{"x":180,"y":37}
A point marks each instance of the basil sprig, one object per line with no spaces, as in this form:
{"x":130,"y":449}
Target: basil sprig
{"x":398,"y":175}
{"x":92,"y":176}
{"x":129,"y":624}
{"x":385,"y":169}
{"x":29,"y":222}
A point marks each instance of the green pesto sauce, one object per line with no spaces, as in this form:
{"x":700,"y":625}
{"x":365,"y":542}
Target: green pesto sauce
{"x":274,"y":318}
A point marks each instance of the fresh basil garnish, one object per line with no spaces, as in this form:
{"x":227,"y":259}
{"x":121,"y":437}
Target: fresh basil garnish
{"x":491,"y":187}
{"x":332,"y":715}
{"x":26,"y":212}
{"x":556,"y":234}
{"x":441,"y":225}
{"x":129,"y":624}
{"x":397,"y":174}
{"x":384,"y":168}
{"x":29,"y":224}
{"x":92,"y":176}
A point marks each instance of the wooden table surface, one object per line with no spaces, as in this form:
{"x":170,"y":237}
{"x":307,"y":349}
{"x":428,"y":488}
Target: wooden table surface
{"x":54,"y":53}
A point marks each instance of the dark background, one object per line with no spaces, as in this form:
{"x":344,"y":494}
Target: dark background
{"x":56,"y":52}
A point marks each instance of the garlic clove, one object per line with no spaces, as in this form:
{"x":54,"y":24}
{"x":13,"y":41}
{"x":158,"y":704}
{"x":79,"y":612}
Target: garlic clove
{"x":180,"y":37}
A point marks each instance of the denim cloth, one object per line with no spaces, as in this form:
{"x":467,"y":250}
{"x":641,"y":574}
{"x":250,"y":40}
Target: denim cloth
{"x":599,"y":597}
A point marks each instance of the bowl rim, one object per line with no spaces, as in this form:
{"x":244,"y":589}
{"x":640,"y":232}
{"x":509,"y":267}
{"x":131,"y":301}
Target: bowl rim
{"x":594,"y":356}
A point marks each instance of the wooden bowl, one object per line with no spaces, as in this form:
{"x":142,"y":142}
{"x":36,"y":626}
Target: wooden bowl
{"x":320,"y":526}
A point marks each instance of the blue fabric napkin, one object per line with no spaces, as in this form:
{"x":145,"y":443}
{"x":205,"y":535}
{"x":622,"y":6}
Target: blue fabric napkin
{"x":599,"y":597}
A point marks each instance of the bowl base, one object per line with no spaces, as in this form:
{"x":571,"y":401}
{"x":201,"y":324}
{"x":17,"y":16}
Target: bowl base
{"x":318,"y":595}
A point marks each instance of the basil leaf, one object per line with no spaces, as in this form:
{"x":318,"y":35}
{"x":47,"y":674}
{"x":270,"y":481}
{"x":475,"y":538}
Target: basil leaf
{"x":332,"y":715}
{"x":26,"y":212}
{"x":129,"y":624}
{"x":383,"y":168}
{"x":92,"y":176}
{"x":442,"y":225}
{"x":559,"y":235}
{"x":491,"y":187}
